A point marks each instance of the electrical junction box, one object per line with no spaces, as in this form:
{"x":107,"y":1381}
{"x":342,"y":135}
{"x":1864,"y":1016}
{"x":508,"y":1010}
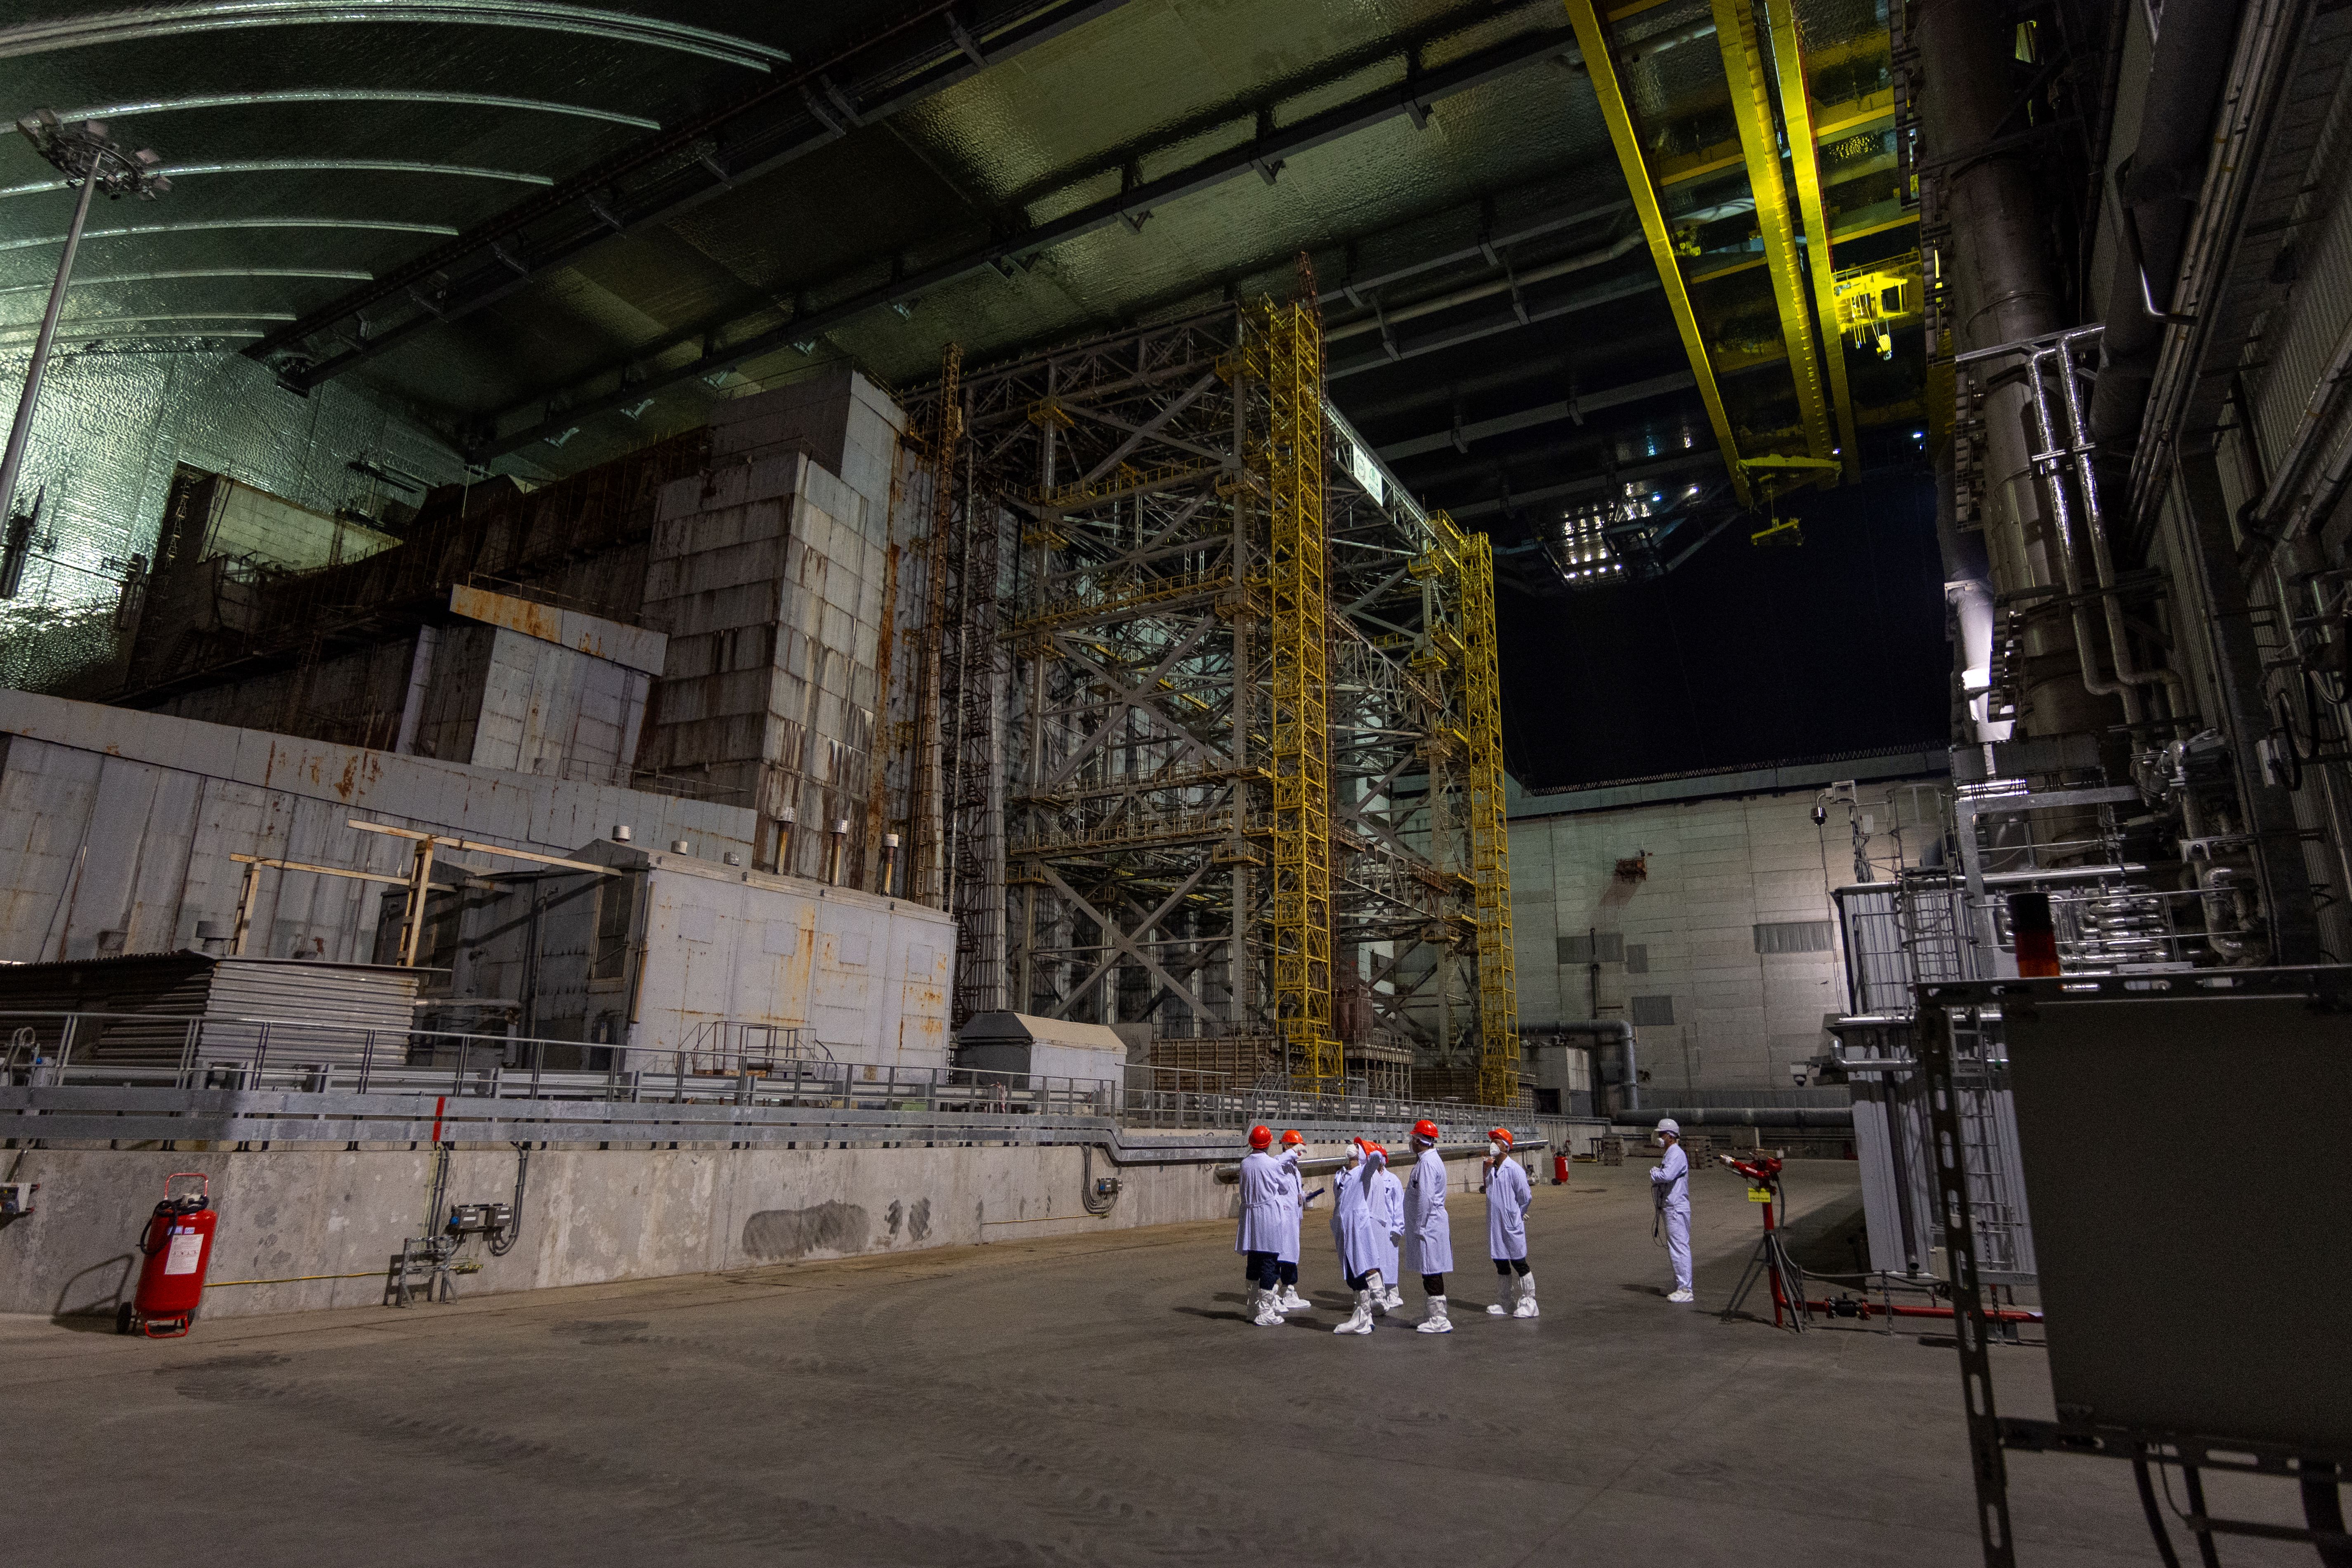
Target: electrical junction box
{"x":16,"y":1198}
{"x":478,"y":1219}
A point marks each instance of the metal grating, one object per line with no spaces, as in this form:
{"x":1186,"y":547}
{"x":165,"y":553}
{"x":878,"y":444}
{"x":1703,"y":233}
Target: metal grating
{"x":1796,"y":936}
{"x":1652,"y":1010}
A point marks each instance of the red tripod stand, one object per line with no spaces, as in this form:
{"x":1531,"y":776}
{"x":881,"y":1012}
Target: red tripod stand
{"x":1772,"y":1261}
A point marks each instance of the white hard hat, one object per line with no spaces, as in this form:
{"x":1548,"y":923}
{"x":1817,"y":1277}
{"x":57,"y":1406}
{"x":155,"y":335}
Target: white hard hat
{"x":1670,"y":1125}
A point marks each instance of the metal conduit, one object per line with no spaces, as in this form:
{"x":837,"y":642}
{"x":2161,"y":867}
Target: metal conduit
{"x":216,"y":15}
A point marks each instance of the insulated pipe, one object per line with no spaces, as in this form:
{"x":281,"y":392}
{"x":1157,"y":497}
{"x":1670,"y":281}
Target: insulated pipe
{"x":2061,"y":530}
{"x":2004,"y":291}
{"x":2080,"y":453}
{"x":1972,"y":607}
{"x":1801,"y":1116}
{"x":1476,"y":291}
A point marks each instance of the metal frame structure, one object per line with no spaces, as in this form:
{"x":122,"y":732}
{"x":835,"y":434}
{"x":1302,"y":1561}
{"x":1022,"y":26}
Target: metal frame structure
{"x":1238,"y":773}
{"x":1990,"y":1434}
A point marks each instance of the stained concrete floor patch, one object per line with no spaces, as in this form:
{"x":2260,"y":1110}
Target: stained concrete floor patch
{"x":1081,"y":1400}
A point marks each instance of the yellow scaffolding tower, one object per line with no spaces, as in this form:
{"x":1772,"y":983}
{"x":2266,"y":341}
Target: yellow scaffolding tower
{"x":1490,"y":847}
{"x":1301,"y":752}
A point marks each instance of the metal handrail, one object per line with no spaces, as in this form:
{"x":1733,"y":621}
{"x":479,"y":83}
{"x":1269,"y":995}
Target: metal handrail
{"x":283,"y":1055}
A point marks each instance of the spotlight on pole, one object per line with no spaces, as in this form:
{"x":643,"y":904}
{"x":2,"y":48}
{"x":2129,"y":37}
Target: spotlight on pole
{"x":90,"y":159}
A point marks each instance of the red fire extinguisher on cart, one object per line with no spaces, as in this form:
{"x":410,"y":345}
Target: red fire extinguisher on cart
{"x":176,"y":1250}
{"x":1560,"y":1169}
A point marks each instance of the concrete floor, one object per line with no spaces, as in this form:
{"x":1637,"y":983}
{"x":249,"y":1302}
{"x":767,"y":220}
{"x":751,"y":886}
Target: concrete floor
{"x":1086,"y":1400}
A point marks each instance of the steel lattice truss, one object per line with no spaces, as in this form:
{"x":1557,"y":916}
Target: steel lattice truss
{"x":1140,"y":718}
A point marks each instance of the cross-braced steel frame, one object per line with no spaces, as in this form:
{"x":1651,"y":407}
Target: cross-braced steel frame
{"x":1241,"y":723}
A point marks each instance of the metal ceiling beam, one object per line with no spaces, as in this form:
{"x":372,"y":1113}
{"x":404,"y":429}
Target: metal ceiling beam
{"x":687,"y":165}
{"x":235,"y":223}
{"x":80,"y":282}
{"x":1460,"y":436}
{"x":1797,"y":109}
{"x":300,"y":165}
{"x":1412,"y":96}
{"x":354,"y":95}
{"x":171,"y":21}
{"x":1628,"y":143}
{"x":1759,"y":142}
{"x":1506,"y":320}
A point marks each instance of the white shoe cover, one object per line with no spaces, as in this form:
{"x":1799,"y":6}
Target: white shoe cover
{"x":1679,"y":1296}
{"x":1503,"y":1294}
{"x":1262,"y":1309}
{"x":1437,"y":1322}
{"x":1292,"y":1301}
{"x":1359,"y":1322}
{"x":1378,"y":1292}
{"x":1527,"y":1307}
{"x":1393,"y":1302}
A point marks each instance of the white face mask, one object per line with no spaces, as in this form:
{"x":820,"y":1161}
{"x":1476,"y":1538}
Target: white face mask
{"x":1494,"y":1150}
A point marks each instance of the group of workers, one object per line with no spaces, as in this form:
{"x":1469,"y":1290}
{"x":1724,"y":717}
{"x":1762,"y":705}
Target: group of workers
{"x":1385,"y":1228}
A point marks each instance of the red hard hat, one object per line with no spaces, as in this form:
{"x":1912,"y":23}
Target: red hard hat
{"x":1261,"y":1138}
{"x":1425,"y":1128}
{"x":1293,"y":1136}
{"x":1501,"y":1135}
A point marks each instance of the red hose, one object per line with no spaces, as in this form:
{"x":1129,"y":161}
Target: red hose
{"x":1994,"y":1315}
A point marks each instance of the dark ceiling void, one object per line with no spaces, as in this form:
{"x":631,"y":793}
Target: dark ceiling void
{"x":1748,"y":653}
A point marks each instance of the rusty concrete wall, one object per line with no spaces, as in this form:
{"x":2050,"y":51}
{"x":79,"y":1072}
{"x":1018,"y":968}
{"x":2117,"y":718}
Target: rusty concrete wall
{"x":117,"y":820}
{"x":767,"y":572}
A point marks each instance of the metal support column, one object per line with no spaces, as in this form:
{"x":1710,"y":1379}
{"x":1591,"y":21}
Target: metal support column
{"x":1293,"y":339}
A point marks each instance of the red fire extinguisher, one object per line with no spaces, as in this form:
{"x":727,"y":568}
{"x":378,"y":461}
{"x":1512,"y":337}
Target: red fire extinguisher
{"x":177,"y":1250}
{"x":1560,"y":1169}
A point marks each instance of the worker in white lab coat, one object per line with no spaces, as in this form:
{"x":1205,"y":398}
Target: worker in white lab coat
{"x":1387,"y":1198}
{"x":1285,"y":1256}
{"x":1358,"y":1233}
{"x":1509,"y":1193}
{"x":1670,"y":1188}
{"x":1428,"y":1236}
{"x":1265,"y":1180}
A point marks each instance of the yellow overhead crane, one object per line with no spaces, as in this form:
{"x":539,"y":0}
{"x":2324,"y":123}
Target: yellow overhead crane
{"x":1804,"y":284}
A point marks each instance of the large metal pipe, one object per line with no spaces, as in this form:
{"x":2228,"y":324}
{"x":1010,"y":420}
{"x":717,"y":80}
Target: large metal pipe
{"x":2150,"y":201}
{"x":2004,"y":291}
{"x":1797,"y":1116}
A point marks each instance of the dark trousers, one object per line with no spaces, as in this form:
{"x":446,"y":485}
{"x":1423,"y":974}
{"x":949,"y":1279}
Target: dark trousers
{"x":1289,"y":1272}
{"x":1262,"y":1269}
{"x":1433,"y":1284}
{"x":1510,"y":1265}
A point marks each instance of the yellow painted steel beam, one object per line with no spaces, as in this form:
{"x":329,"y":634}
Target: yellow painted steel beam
{"x":1760,"y":139}
{"x":1602,"y":74}
{"x":1301,"y":749}
{"x":1797,"y":109}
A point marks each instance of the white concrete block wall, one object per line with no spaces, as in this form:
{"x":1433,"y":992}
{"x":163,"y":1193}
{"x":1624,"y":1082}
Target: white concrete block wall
{"x":1716,"y":868}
